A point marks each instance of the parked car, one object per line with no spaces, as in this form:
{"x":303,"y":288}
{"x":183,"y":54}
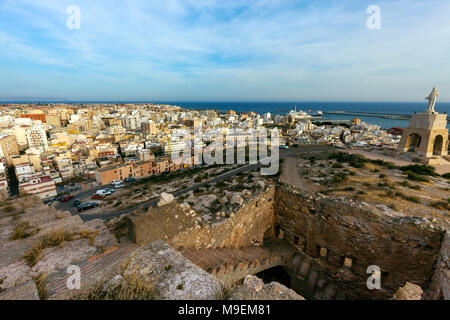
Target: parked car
{"x":98,"y":196}
{"x":109,"y":190}
{"x":121,"y":185}
{"x":114,"y":182}
{"x":130,"y":179}
{"x":76,"y":202}
{"x":66,"y":198}
{"x":103,"y":192}
{"x":87,"y":206}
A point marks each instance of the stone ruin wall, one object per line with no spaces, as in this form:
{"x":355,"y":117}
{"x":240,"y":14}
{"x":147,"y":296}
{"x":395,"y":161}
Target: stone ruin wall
{"x":405,"y":248}
{"x":440,"y":285}
{"x":249,"y":225}
{"x":329,"y":230}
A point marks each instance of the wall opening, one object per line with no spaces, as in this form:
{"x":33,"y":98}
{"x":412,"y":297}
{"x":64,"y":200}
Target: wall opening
{"x":437,"y":145}
{"x":413,"y":142}
{"x":277,"y":274}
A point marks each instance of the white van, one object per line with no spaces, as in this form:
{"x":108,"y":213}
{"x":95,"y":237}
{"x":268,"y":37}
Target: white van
{"x":102,"y":192}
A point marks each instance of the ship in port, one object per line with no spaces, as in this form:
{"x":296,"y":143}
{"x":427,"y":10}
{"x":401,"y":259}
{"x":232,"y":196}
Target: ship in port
{"x":301,"y":115}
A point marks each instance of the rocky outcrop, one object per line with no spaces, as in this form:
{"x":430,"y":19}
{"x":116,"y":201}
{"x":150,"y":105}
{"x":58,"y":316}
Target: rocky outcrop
{"x":409,"y":292}
{"x":254,"y":288}
{"x":172,"y":276}
{"x":165,"y":198}
{"x":36,"y":240}
{"x":24,"y":291}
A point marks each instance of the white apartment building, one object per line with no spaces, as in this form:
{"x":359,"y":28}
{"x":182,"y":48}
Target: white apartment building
{"x":36,"y":137}
{"x":24,"y":171}
{"x":174,"y":146}
{"x":131,"y":122}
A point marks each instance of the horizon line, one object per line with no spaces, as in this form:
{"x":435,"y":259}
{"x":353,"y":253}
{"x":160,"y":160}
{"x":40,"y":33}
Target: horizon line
{"x":5,"y":101}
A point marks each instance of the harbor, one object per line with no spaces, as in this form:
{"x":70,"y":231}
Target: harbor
{"x":395,"y":116}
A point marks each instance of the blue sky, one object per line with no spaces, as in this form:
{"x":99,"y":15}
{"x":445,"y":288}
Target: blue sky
{"x":274,"y":50}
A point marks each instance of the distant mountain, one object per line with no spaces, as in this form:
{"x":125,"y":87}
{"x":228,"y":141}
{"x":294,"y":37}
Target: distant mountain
{"x":31,"y":99}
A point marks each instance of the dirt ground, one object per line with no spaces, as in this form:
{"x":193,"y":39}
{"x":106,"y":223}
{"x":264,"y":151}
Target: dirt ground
{"x":440,"y":169}
{"x":373,"y":184}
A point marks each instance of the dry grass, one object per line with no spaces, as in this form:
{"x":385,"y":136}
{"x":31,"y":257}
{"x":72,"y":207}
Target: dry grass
{"x":23,"y":230}
{"x":53,"y":239}
{"x":88,"y":234}
{"x":9,"y":209}
{"x":132,"y":288}
{"x":40,"y":285}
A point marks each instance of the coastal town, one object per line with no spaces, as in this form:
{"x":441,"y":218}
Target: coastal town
{"x":50,"y":149}
{"x":100,"y":187}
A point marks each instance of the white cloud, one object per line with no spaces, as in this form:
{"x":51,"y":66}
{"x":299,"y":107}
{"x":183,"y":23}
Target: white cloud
{"x":236,"y":49}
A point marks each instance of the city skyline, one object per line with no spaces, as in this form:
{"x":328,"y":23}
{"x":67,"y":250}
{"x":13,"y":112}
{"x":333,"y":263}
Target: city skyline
{"x":232,"y":51}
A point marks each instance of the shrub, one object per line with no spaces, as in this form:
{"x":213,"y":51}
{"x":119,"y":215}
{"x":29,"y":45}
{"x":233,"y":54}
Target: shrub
{"x":339,"y":177}
{"x":441,"y":205}
{"x":349,"y":189}
{"x":389,"y":193}
{"x":405,"y":183}
{"x":392,"y":206}
{"x":416,"y":177}
{"x":420,"y":169}
{"x":446,"y":175}
{"x":408,"y":198}
{"x":221,"y":184}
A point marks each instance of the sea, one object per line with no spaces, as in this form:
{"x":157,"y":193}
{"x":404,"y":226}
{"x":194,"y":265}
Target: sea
{"x":402,"y":108}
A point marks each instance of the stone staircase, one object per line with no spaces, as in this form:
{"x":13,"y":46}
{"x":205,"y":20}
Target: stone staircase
{"x":230,"y":265}
{"x":91,"y":269}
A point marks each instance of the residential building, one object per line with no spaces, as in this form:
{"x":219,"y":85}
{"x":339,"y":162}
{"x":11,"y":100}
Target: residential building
{"x":37,"y":137}
{"x":40,"y":185}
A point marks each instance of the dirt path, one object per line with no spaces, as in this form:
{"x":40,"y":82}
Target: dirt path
{"x":290,"y":174}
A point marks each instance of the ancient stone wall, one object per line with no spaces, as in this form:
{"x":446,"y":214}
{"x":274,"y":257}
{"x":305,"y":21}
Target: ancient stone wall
{"x":440,"y":286}
{"x":159,"y":223}
{"x":337,"y":240}
{"x":343,"y":238}
{"x":248,"y":225}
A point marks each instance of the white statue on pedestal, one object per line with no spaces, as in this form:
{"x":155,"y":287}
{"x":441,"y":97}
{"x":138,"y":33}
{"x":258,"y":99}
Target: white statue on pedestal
{"x":432,"y":100}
